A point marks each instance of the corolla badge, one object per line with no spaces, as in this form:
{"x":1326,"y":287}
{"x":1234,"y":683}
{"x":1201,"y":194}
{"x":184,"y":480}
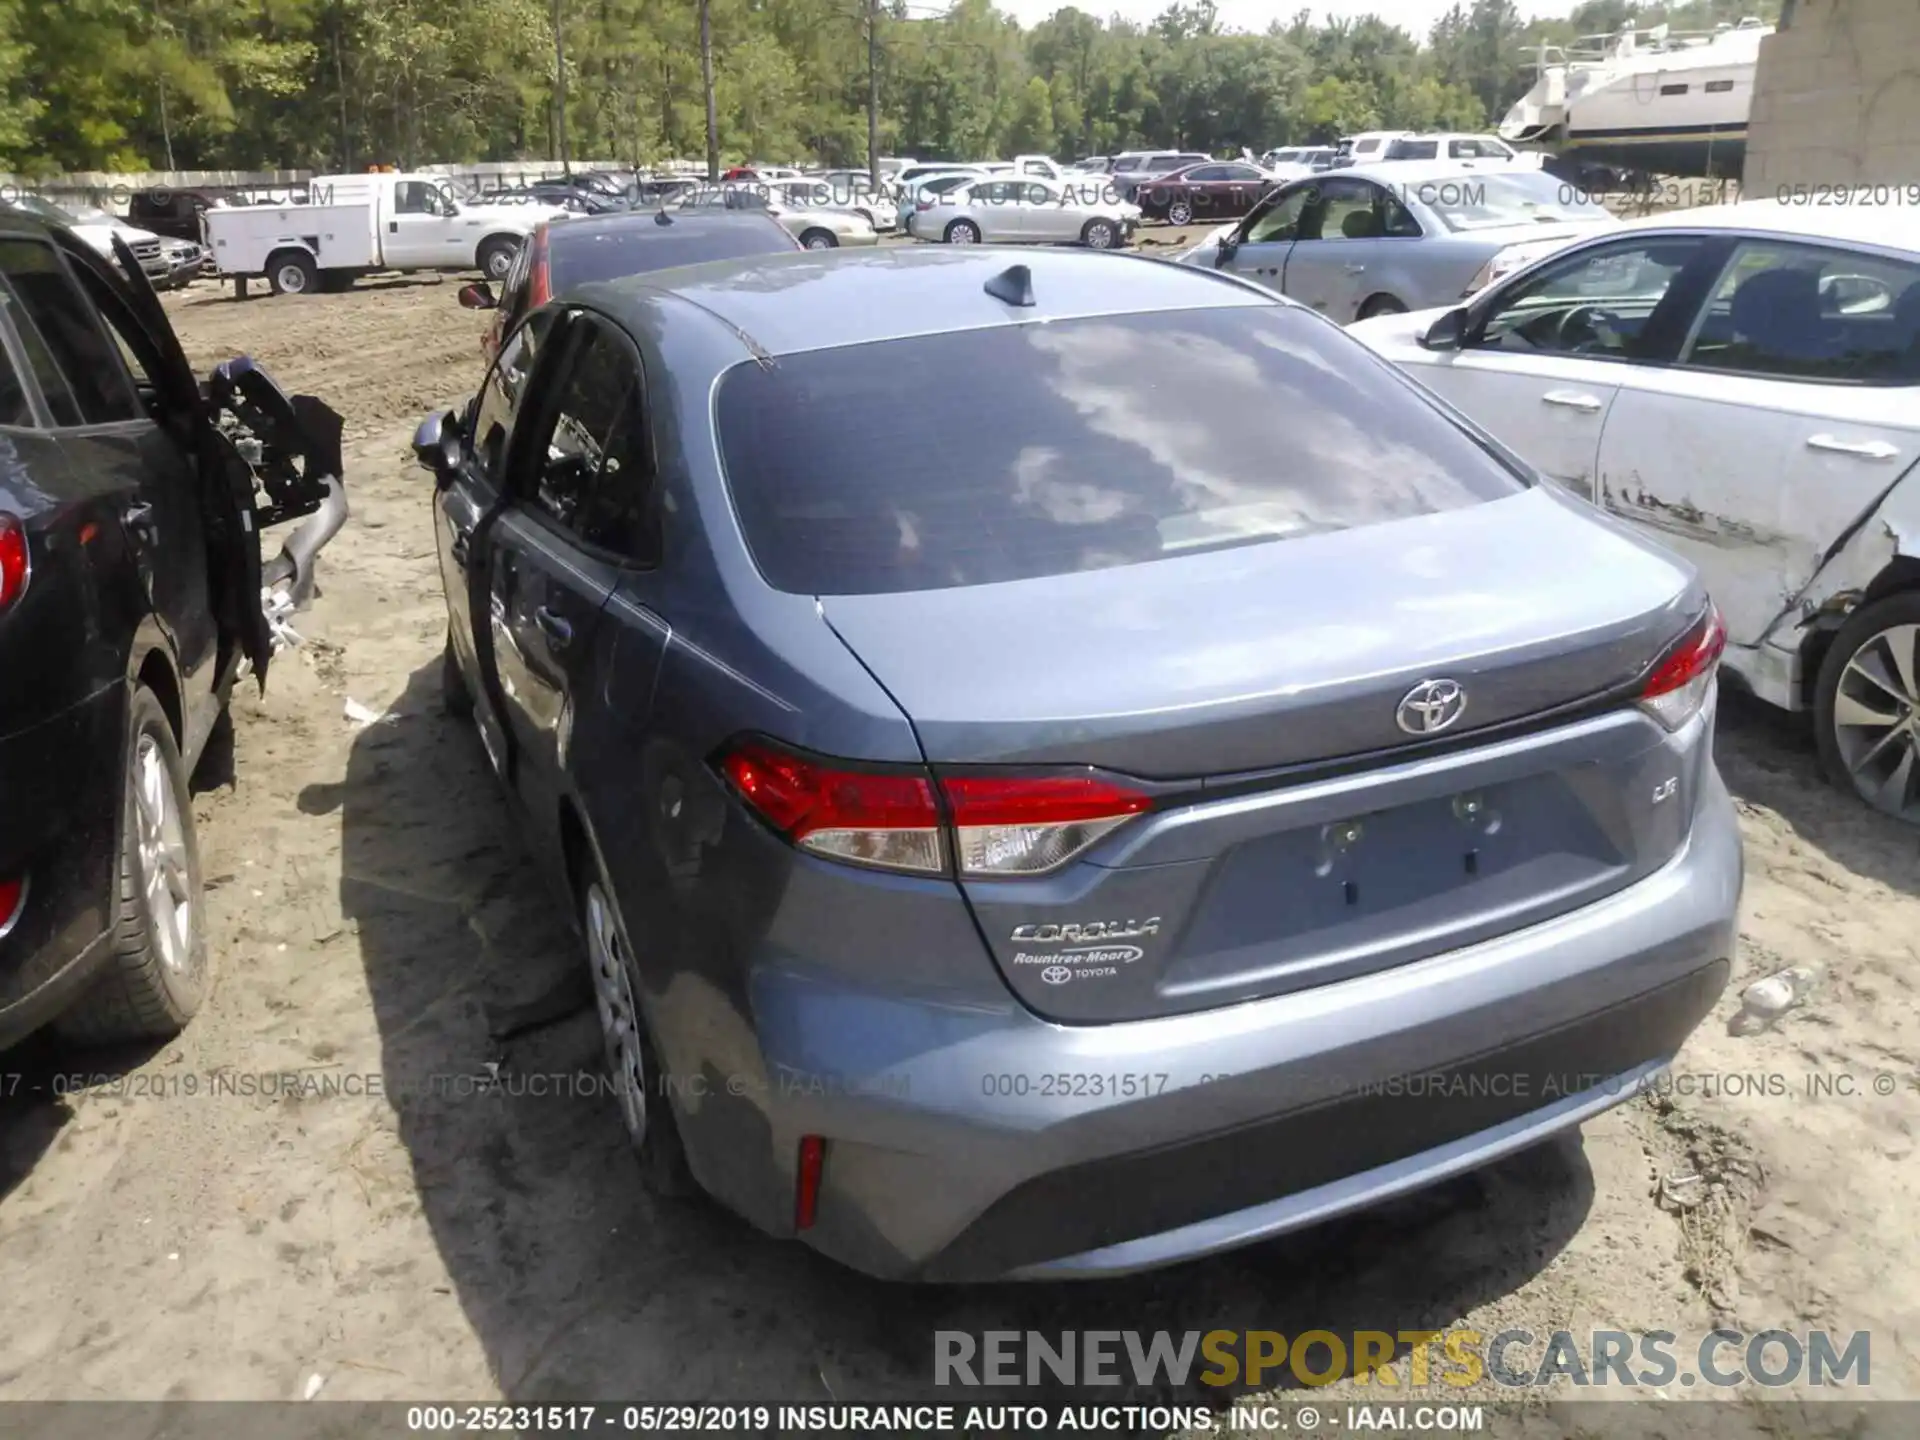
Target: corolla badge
{"x":1076,"y":934}
{"x":1431,"y":706}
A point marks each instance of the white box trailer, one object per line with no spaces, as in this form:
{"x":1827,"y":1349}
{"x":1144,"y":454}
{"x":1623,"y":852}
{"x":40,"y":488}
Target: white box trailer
{"x":353,"y":225}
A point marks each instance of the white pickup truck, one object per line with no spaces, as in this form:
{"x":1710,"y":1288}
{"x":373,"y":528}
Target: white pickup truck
{"x":353,"y":225}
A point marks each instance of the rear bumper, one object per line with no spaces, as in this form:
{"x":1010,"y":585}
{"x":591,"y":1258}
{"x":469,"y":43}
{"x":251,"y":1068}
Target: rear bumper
{"x":975,"y":1143}
{"x":62,"y":783}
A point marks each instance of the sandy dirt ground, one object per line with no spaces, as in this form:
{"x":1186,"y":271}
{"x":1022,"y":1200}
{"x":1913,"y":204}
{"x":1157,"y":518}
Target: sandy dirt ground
{"x":372,"y":913}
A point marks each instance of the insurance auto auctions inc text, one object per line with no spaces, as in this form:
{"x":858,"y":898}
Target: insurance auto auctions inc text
{"x":1407,"y":1360}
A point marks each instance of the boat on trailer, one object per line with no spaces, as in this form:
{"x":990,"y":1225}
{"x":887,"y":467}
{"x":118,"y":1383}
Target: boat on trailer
{"x":1650,"y":100}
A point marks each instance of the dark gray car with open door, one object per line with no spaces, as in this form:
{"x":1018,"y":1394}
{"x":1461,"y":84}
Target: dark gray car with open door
{"x":132,"y":601}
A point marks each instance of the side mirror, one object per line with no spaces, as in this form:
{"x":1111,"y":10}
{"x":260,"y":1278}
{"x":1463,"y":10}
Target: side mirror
{"x":438,"y":446}
{"x":1224,"y":250}
{"x":1449,"y":332}
{"x":478,"y":296}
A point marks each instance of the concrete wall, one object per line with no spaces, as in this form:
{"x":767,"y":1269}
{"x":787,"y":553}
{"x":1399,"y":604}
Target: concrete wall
{"x":1836,"y":98}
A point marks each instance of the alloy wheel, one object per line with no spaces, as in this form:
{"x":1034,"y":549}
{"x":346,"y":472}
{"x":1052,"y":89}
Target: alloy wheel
{"x":1179,"y":213}
{"x":165,"y":877}
{"x":1876,"y":720}
{"x":619,"y":1015}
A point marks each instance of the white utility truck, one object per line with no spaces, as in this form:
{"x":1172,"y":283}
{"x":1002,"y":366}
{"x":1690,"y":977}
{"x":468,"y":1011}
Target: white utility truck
{"x":353,"y":225}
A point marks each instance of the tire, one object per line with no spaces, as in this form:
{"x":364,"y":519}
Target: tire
{"x":962,"y":232}
{"x":455,"y":699}
{"x":292,"y":272}
{"x":496,"y":257}
{"x":820,"y":240}
{"x":157,"y":975}
{"x":1381,"y":305}
{"x":646,"y":1106}
{"x":1180,"y":213}
{"x":1099,"y":234}
{"x":1859,"y":678}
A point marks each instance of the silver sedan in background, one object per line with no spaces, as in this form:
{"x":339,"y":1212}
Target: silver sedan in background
{"x":1003,"y":210}
{"x":1386,"y":238}
{"x":816,"y":227}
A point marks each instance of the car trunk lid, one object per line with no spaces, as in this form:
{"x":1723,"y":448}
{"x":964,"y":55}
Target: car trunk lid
{"x":1302,"y":833}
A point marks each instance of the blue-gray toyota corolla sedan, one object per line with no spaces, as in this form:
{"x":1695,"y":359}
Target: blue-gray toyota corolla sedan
{"x":1065,"y":763}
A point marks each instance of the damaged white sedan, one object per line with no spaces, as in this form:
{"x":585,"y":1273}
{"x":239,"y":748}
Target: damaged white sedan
{"x":1744,"y":381}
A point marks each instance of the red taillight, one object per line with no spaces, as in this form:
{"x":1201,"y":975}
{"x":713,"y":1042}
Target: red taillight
{"x":1025,"y":825}
{"x":1001,"y":825}
{"x":1678,"y":686}
{"x":806,"y":1181}
{"x":539,"y":288}
{"x":13,"y":899}
{"x":923,"y":205}
{"x":15,"y":564}
{"x":869,"y":816}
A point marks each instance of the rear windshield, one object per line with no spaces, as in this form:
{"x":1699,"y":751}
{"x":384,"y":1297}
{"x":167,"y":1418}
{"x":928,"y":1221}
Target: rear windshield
{"x":1486,"y":200}
{"x":1042,"y":449}
{"x":584,"y":258}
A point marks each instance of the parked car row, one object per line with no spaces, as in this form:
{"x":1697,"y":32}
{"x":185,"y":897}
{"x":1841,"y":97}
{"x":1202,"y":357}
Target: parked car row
{"x":1300,"y":768}
{"x":166,"y":262}
{"x":1739,"y":380}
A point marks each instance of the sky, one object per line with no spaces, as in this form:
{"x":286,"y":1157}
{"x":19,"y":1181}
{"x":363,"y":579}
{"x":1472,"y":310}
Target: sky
{"x":1414,"y":16}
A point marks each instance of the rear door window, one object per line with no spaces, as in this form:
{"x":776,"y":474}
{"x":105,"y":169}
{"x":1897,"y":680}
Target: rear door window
{"x":1805,"y":312}
{"x":78,"y":365}
{"x":494,"y":408}
{"x":1113,"y":441}
{"x":16,"y":409}
{"x":595,"y":479}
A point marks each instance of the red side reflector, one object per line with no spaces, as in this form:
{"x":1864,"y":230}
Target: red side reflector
{"x":14,"y":561}
{"x":806,"y":1185}
{"x":13,"y":899}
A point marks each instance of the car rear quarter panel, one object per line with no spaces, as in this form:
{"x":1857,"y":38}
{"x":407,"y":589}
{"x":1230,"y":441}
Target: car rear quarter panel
{"x":69,"y":636}
{"x":69,"y":646}
{"x":714,"y":901}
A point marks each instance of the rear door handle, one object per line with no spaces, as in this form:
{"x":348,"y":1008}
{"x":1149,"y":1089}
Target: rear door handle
{"x":1864,"y":449}
{"x":1573,"y":400}
{"x":1354,"y":269}
{"x":557,"y":628}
